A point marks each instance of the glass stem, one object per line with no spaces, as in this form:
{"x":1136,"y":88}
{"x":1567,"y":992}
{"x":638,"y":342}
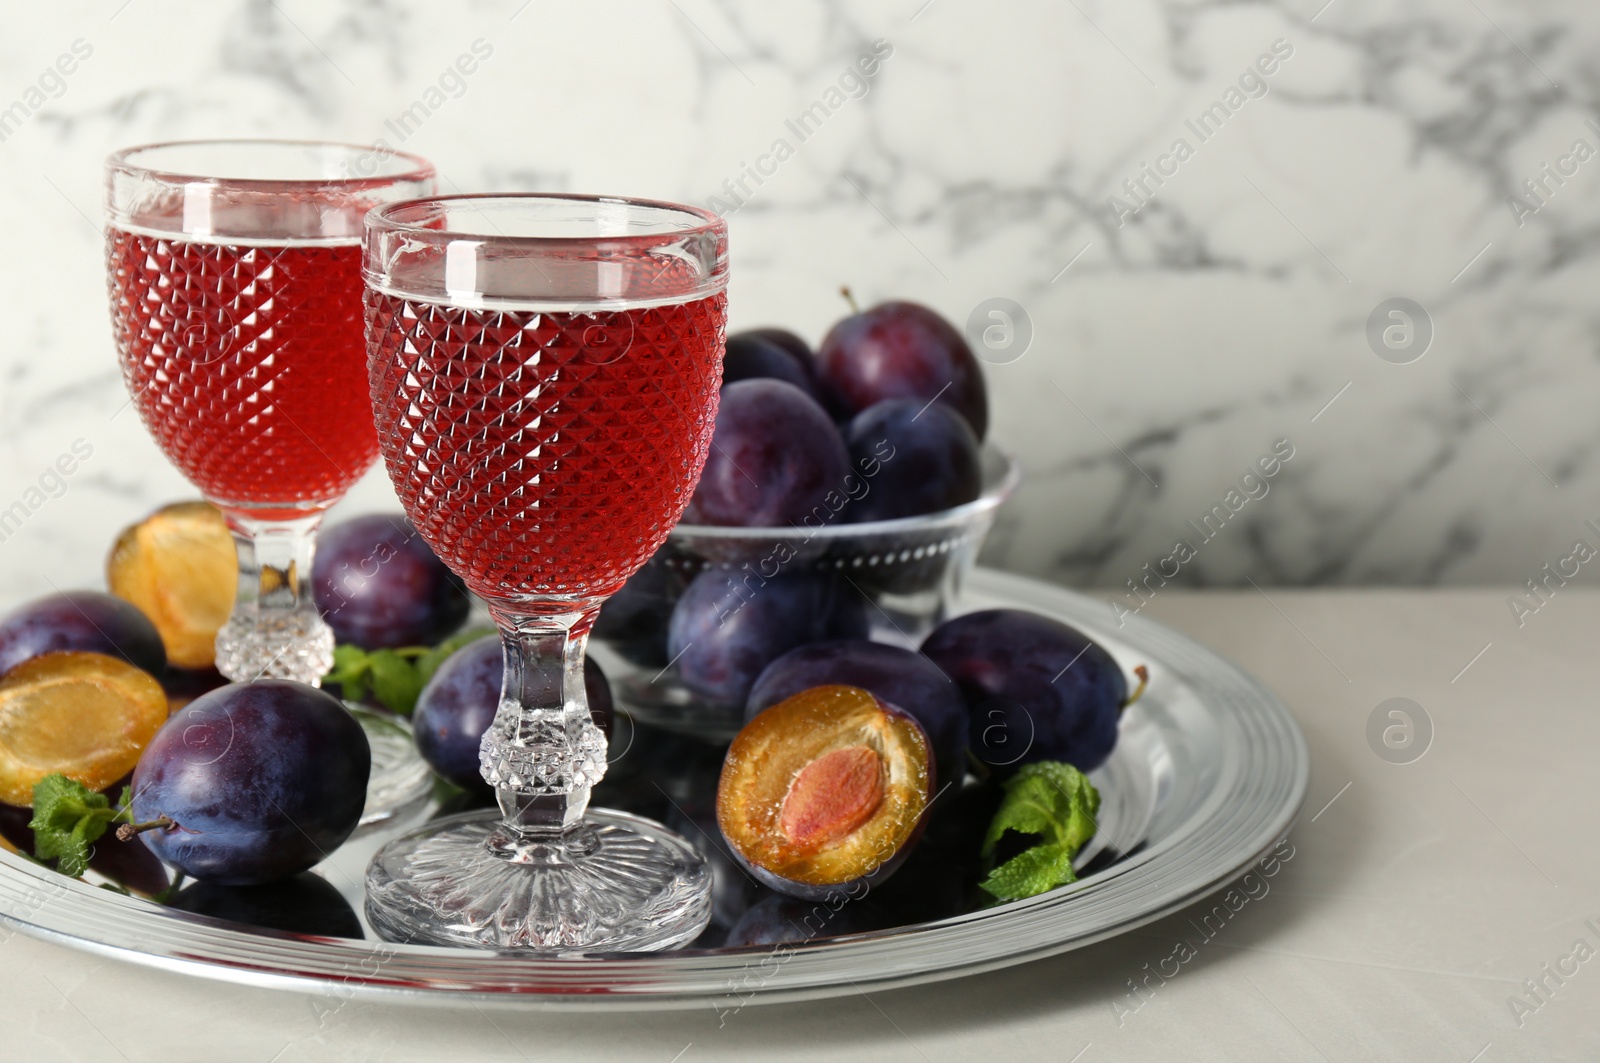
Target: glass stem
{"x":543,"y":752}
{"x":275,"y":630}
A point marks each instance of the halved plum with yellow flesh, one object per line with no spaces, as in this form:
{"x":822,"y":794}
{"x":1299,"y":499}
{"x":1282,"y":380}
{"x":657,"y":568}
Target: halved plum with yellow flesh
{"x":824,"y":790}
{"x":85,"y":715}
{"x":179,"y":566}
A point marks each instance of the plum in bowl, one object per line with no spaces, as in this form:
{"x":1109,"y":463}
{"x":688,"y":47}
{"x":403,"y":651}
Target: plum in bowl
{"x":684,"y":642}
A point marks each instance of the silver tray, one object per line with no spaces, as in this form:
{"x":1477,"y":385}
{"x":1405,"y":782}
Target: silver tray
{"x":1209,"y":773}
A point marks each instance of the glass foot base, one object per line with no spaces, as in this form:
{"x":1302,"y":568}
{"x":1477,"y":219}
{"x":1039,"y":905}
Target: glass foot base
{"x":401,"y":781}
{"x":617,"y":883}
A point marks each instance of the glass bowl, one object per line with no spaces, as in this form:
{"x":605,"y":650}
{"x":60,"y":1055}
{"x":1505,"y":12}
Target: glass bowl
{"x":909,"y":570}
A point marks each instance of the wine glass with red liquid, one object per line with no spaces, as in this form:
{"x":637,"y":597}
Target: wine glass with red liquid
{"x":234,"y":269}
{"x":544,"y":374}
{"x":235,"y":276}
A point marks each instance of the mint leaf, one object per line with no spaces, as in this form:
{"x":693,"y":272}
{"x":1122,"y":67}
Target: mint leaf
{"x":1050,"y":800}
{"x":352,"y":669}
{"x":429,"y":662}
{"x":393,"y":677}
{"x":395,"y":681}
{"x":1046,"y":798}
{"x":67,"y":818}
{"x":1040,"y":869}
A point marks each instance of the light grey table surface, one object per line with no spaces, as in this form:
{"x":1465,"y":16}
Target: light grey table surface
{"x":1419,"y":899}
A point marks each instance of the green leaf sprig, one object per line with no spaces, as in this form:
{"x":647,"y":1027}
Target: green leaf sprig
{"x":68,"y":818}
{"x":395,"y":678}
{"x":1054,"y":802}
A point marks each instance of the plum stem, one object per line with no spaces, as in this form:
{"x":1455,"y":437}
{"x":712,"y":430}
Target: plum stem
{"x":1138,"y":692}
{"x":127,"y":831}
{"x":844,"y":290}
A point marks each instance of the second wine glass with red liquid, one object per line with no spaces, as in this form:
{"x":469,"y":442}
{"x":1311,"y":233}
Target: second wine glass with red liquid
{"x":544,"y":373}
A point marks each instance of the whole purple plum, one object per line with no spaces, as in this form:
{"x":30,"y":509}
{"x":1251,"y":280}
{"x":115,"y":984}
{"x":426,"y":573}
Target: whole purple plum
{"x":900,"y":350}
{"x":88,"y":621}
{"x":459,"y":702}
{"x":752,"y":357}
{"x":728,"y":626}
{"x":254,"y":782}
{"x":775,"y":457}
{"x":932,"y":461}
{"x":1036,"y":688}
{"x":378,"y":585}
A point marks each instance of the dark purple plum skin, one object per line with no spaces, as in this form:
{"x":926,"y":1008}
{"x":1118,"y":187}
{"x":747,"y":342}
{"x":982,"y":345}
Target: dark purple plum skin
{"x":798,"y":348}
{"x":183,"y":685}
{"x":754,"y":358}
{"x":904,"y":678}
{"x":263,"y":780}
{"x":728,"y":626}
{"x":933,"y":461}
{"x":929,"y":885}
{"x":900,"y":350}
{"x":379,"y":585}
{"x":633,"y":621}
{"x":597,"y":691}
{"x":1036,"y":688}
{"x":305,"y":904}
{"x":14,"y":826}
{"x":87,"y":621}
{"x":459,"y":702}
{"x":963,"y":816}
{"x":775,"y":457}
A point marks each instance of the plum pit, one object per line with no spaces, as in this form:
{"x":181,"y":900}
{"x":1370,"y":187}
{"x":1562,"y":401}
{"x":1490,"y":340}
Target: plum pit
{"x":832,"y":796}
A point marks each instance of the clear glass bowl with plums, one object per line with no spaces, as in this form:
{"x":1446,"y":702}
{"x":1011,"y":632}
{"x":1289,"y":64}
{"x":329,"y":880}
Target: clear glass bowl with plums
{"x":829,"y":509}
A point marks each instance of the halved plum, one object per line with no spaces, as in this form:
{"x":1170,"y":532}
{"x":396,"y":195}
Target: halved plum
{"x":180,"y":567}
{"x":901,"y":677}
{"x":824,"y":791}
{"x":85,"y":715}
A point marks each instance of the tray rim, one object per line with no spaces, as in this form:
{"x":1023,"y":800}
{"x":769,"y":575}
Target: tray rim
{"x":649,"y":981}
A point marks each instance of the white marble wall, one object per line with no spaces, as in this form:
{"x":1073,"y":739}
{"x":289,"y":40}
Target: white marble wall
{"x":1173,"y":346}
